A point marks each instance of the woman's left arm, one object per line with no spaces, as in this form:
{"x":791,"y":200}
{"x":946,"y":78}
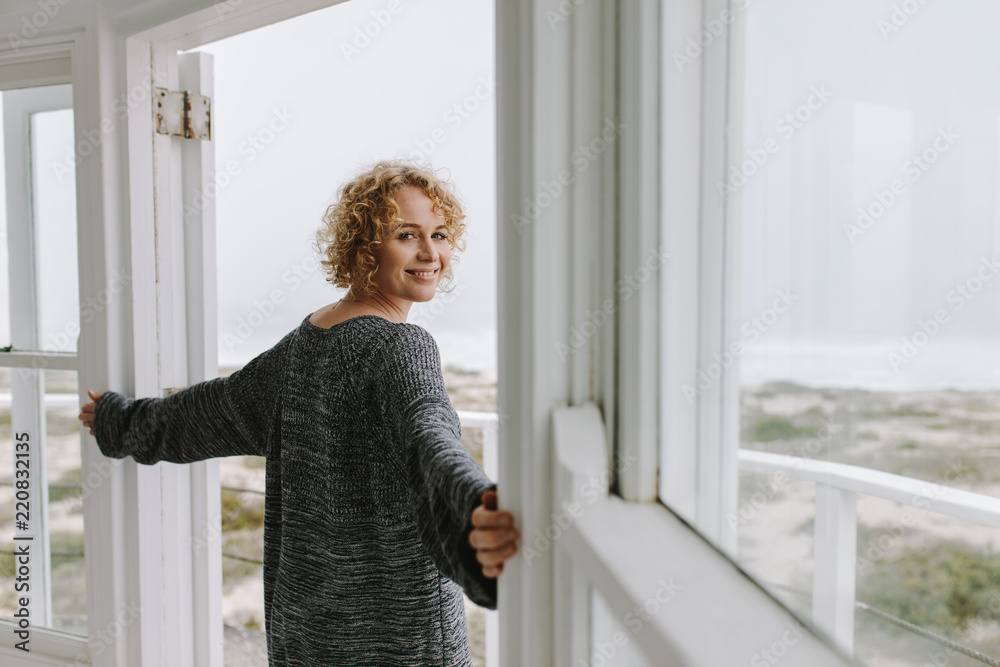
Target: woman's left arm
{"x":446,"y":484}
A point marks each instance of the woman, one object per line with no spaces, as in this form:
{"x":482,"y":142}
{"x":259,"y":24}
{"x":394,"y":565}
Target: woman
{"x":376,"y":517}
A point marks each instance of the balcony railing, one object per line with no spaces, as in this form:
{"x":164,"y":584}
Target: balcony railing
{"x":835,"y":528}
{"x":836,"y":525}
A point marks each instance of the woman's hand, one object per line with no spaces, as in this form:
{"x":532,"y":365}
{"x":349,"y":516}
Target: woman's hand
{"x":493,"y":535}
{"x":87,"y":411}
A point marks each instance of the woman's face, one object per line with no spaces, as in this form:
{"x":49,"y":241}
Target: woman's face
{"x":413,"y":257}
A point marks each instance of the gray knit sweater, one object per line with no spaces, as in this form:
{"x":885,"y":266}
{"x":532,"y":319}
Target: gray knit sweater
{"x":369,"y":489}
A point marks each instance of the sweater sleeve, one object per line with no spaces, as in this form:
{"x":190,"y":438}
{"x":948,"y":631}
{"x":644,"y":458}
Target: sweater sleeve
{"x":445,"y":482}
{"x":224,"y":416}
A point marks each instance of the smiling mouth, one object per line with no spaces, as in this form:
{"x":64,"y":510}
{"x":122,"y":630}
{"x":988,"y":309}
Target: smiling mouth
{"x":422,"y":274}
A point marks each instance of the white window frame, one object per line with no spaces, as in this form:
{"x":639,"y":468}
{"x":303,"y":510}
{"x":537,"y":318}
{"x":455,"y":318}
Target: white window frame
{"x":618,"y":544}
{"x":27,"y":360}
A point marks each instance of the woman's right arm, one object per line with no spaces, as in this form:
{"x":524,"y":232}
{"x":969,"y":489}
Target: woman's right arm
{"x":225,"y":416}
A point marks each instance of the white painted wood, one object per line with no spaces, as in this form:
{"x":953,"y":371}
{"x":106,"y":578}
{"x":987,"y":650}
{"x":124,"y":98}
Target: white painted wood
{"x":47,"y":646}
{"x":835,"y":546}
{"x":702,"y":595}
{"x":195,"y":73}
{"x":533,"y":144}
{"x":51,"y":400}
{"x":933,"y":497}
{"x":582,"y":477}
{"x":490,"y":424}
{"x":104,"y":342}
{"x":171,"y":328}
{"x":680,"y":176}
{"x":732,"y":297}
{"x":641,"y":251}
{"x":56,"y":361}
{"x":28,"y":383}
{"x":717,"y":481}
{"x":144,"y":489}
{"x":39,"y":62}
{"x":193,"y":23}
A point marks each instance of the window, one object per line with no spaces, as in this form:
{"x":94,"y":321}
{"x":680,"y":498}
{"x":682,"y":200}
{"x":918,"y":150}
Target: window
{"x":41,"y":488}
{"x":840,"y":272}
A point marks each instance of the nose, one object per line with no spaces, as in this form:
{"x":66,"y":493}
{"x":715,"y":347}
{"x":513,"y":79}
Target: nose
{"x":427,"y":251}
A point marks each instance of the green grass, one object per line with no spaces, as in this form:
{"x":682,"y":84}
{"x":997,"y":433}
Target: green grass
{"x":910,"y":411}
{"x":248,"y":544}
{"x":943,"y":587}
{"x":65,"y":542}
{"x":68,"y":486}
{"x":7,"y":565}
{"x":769,"y":428}
{"x":241,"y":511}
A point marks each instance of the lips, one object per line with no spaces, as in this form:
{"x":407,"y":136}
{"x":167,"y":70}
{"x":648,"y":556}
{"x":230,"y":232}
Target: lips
{"x":422,"y":274}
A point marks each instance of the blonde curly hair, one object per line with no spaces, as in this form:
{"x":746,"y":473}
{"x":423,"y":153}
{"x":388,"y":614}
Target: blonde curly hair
{"x":366,"y":213}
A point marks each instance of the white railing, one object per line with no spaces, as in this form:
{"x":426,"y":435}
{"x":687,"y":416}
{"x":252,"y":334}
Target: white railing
{"x":51,"y":400}
{"x":489,"y":423}
{"x":835,"y":527}
{"x":836,"y":524}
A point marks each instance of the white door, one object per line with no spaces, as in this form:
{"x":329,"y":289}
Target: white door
{"x":186,"y":325}
{"x":45,"y":621}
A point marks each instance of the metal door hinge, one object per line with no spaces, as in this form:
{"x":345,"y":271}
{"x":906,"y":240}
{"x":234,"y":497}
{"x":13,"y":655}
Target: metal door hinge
{"x":182,"y":114}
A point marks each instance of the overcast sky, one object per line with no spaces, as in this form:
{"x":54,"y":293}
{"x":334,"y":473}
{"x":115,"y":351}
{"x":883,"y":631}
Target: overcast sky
{"x":304,"y":105}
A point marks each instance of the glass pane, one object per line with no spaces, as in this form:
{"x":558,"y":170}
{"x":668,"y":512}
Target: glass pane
{"x":61,"y":440}
{"x":63,"y":461}
{"x":4,"y":270}
{"x":865,"y":195}
{"x":54,"y":209}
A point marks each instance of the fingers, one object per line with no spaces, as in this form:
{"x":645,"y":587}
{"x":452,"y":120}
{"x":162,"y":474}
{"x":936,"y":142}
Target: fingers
{"x":87,"y":410}
{"x":493,"y":536}
{"x":489,"y":499}
{"x":487,"y":518}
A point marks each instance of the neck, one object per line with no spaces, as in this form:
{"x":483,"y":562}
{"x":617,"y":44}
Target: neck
{"x":378,"y":302}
